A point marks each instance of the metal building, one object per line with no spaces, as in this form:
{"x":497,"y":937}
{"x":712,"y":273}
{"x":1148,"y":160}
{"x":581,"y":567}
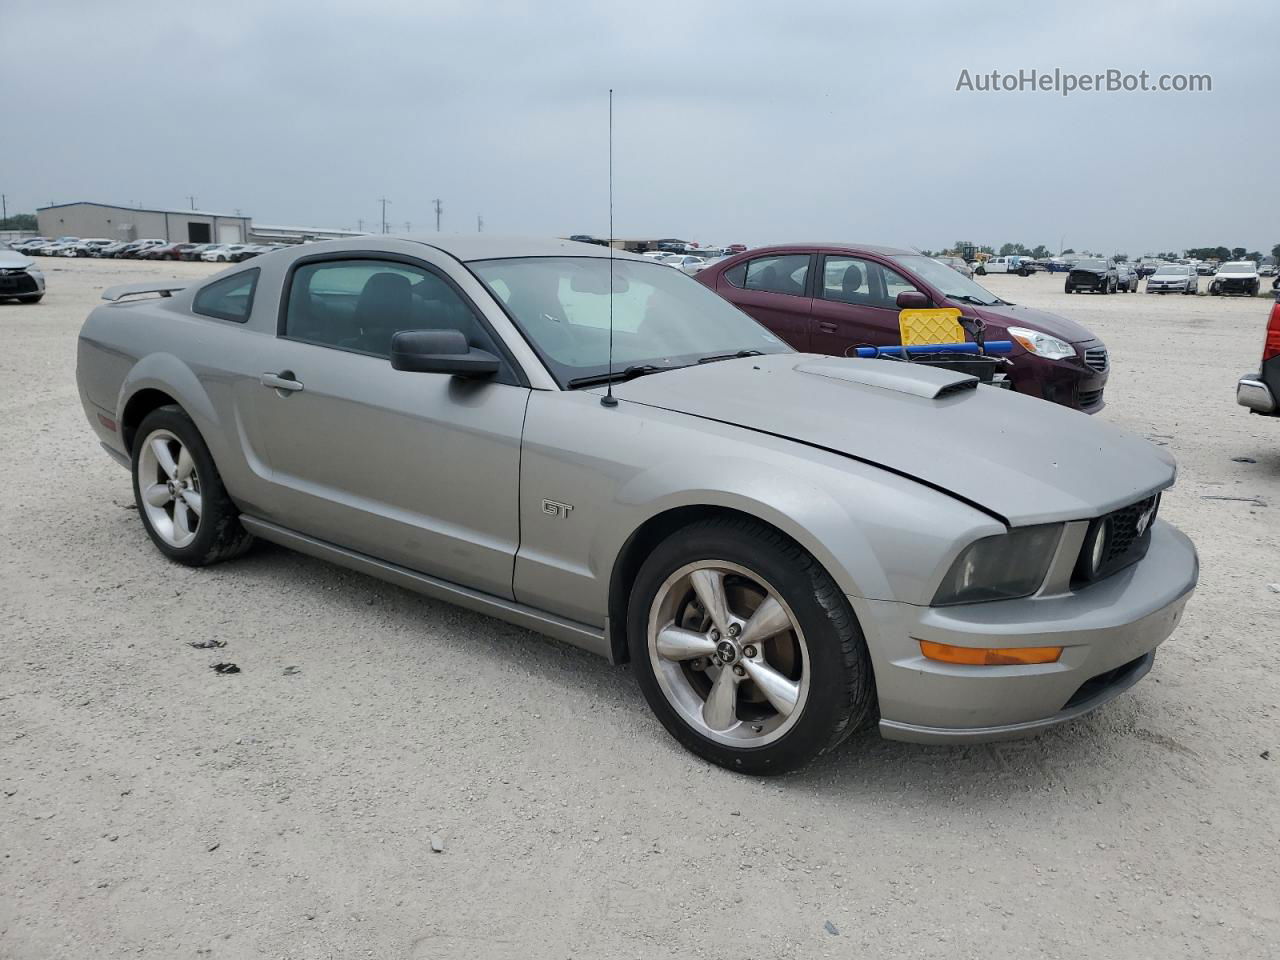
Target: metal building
{"x":85,"y":219}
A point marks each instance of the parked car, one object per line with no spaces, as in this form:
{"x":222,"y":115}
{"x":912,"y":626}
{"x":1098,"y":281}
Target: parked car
{"x":833,"y":298}
{"x":957,"y":264}
{"x":56,"y":247}
{"x":1019,"y":265}
{"x":166,"y":251}
{"x":251,"y":250}
{"x":703,"y":501}
{"x":1096,"y":275}
{"x":1148,"y":265}
{"x":1238,"y":276}
{"x":1267,"y":267}
{"x":736,"y":248}
{"x":587,"y":238}
{"x":1173,"y":278}
{"x":195,"y":251}
{"x":89,"y":247}
{"x":21,"y":278}
{"x":1126,"y":278}
{"x":1260,"y":392}
{"x":1206,"y":268}
{"x":687,"y":264}
{"x":30,"y":244}
{"x":112,"y":249}
{"x":137,"y":249}
{"x":222,"y":252}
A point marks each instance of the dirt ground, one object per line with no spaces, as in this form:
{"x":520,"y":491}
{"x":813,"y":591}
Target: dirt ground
{"x":153,"y":808}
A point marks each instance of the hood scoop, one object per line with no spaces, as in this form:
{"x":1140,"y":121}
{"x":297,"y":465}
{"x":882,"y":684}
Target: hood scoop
{"x":915,"y":379}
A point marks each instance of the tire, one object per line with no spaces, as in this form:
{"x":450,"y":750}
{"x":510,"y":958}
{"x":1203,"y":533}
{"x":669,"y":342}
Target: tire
{"x":217,"y":535}
{"x":35,"y":299}
{"x":819,"y":659}
{"x":1069,"y":288}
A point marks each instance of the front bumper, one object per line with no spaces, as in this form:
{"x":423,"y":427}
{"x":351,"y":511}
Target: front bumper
{"x":1109,"y":632}
{"x":1088,"y":281}
{"x":1153,"y":287}
{"x":20,"y":283}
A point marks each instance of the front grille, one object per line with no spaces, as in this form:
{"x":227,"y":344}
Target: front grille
{"x":1128,"y":537}
{"x":1087,"y":398}
{"x":1095,"y":358}
{"x":17,"y":282}
{"x":1090,"y":278}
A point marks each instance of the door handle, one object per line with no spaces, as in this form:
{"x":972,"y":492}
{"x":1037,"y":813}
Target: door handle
{"x":283,"y":382}
{"x":826,"y":326}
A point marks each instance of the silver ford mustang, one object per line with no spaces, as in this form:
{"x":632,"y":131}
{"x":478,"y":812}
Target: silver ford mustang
{"x":786,"y":547}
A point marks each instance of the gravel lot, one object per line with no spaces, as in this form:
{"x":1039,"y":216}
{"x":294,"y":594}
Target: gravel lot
{"x":154,"y":808}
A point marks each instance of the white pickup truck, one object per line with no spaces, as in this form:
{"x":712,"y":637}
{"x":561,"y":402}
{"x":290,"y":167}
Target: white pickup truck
{"x":1016,"y":264}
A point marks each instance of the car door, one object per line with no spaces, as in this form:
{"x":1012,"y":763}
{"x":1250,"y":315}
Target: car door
{"x":776,"y":290}
{"x":419,"y":469}
{"x":856,"y":305}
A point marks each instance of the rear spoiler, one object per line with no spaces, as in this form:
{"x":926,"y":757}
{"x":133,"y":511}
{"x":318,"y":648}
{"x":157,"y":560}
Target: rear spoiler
{"x":138,"y":289}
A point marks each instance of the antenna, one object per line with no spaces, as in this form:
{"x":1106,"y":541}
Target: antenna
{"x":609,"y":400}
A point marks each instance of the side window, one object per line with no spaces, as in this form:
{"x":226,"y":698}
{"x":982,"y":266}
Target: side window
{"x":784,"y":274}
{"x":894,"y":284}
{"x":228,"y":299}
{"x":862,"y":282}
{"x":736,"y":275}
{"x":359,"y":305}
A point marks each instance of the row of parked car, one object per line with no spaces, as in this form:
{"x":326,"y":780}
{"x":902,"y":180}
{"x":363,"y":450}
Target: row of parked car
{"x":1108,"y":276}
{"x":149,"y":249}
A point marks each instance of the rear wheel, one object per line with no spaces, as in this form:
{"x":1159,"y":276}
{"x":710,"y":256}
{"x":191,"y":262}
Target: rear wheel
{"x":180,"y":496}
{"x":746,"y":649}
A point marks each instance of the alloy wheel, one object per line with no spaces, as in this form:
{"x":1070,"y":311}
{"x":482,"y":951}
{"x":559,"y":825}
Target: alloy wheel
{"x":170,"y":488}
{"x":728,"y":653}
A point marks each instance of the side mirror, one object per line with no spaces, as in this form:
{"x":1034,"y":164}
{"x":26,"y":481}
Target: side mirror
{"x":440,"y":351}
{"x":912,"y":300}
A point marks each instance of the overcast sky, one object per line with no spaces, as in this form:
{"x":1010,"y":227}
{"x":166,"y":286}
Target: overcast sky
{"x":734,"y":122}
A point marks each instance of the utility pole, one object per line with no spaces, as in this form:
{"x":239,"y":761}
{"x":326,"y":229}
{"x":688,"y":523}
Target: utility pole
{"x":439,"y":210}
{"x":383,"y":201}
{"x":359,"y":226}
{"x":408,"y":227}
{"x":479,"y":224}
{"x":193,"y":201}
{"x":4,"y":208}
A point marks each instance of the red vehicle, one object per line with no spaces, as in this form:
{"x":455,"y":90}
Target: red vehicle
{"x":1260,"y":392}
{"x":831,"y":298}
{"x":166,"y":251}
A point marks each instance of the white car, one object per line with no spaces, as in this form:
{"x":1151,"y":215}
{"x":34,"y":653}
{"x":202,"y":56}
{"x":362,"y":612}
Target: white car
{"x":222,"y":252}
{"x":20,"y":278}
{"x":91,"y":247}
{"x":1017,"y":264}
{"x":52,"y":248}
{"x":687,"y":264}
{"x":30,"y":245}
{"x":1238,"y":276}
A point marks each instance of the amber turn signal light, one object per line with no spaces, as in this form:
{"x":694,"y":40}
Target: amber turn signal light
{"x":988,"y":656}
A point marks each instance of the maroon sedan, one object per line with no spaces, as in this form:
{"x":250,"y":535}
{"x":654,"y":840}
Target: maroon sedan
{"x":831,"y":298}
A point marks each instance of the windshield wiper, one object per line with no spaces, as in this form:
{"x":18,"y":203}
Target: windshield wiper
{"x":731,"y":356}
{"x":618,"y":376}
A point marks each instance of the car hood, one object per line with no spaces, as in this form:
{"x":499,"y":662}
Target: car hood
{"x":1022,"y":459}
{"x":12,"y":259}
{"x":1235,"y":275}
{"x":1013,"y":315}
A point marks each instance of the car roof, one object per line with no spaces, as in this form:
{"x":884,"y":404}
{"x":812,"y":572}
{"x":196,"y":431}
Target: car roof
{"x":828,"y":246}
{"x":480,"y":246}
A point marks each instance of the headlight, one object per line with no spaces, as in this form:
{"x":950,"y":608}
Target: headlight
{"x":1002,"y":567}
{"x":1041,"y":344}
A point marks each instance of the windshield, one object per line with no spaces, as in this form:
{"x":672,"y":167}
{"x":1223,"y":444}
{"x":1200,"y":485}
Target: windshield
{"x":1090,"y":265}
{"x":1172,"y":270}
{"x":661,"y":318}
{"x":953,"y":285}
{"x":1242,"y":266}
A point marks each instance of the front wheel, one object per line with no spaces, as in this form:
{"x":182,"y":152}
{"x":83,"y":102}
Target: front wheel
{"x":31,"y":299}
{"x":180,"y":496}
{"x":1070,"y":289}
{"x":746,"y":649}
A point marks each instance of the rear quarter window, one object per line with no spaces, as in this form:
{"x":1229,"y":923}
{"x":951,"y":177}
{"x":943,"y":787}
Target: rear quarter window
{"x":230,"y":298}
